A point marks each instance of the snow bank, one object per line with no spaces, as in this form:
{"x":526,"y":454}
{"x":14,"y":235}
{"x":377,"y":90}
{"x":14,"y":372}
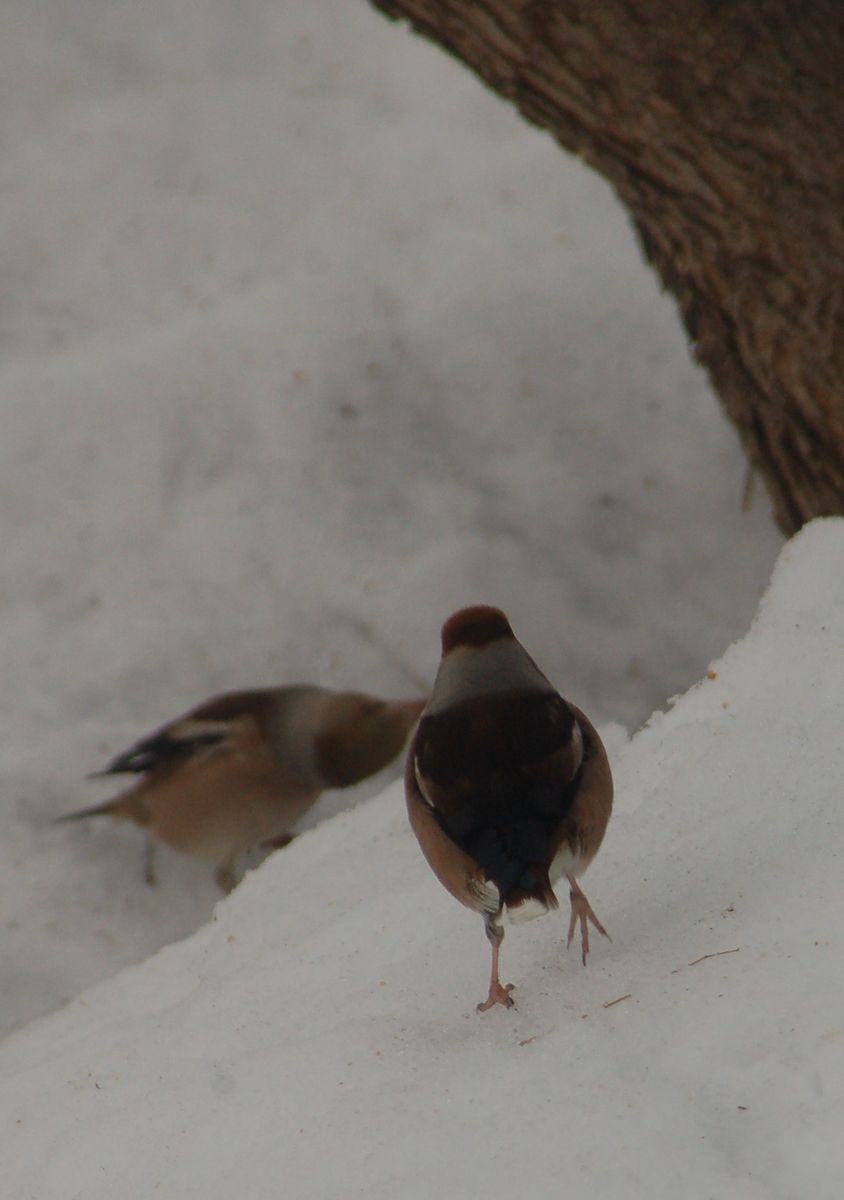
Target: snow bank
{"x":319,"y":1037}
{"x":307,"y":340}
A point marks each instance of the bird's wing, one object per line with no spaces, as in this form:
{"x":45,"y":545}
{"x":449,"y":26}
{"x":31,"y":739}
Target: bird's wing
{"x":208,"y":727}
{"x":169,"y":745}
{"x":499,"y":781}
{"x":456,"y":870}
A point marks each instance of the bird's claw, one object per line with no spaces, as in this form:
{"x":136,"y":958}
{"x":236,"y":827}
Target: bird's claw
{"x":498,"y":994}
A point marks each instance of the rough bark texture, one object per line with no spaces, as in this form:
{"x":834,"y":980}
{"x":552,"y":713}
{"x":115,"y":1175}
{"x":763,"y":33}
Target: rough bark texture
{"x":720,"y":123}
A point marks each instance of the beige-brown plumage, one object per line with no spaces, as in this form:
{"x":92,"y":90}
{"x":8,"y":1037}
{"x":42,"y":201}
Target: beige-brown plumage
{"x":508,"y":785}
{"x":242,"y":768}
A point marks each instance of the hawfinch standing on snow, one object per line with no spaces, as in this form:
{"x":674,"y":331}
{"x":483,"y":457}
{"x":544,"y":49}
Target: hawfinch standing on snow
{"x":508,"y":785}
{"x":239,"y":770}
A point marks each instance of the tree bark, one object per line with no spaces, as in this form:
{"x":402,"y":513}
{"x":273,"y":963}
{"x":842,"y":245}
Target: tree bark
{"x":720,"y":124}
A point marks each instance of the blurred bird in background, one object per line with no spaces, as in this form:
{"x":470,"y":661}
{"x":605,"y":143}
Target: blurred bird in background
{"x":239,"y":770}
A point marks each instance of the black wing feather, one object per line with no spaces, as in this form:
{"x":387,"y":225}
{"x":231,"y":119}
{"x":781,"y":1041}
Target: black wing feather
{"x":499,"y":796}
{"x":161,"y":749}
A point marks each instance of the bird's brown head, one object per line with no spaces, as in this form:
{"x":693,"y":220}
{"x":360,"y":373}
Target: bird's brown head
{"x":361,"y":734}
{"x":475,"y":626}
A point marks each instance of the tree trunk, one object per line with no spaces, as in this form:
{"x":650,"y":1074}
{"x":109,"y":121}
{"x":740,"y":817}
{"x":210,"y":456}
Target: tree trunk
{"x":720,"y":123}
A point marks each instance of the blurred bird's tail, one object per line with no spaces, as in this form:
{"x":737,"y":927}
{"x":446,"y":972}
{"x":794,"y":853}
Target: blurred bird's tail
{"x":107,"y":808}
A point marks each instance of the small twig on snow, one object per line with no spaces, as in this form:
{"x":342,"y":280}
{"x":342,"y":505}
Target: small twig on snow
{"x":716,"y":954}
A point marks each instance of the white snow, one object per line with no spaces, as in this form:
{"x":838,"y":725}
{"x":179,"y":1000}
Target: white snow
{"x":307,"y":339}
{"x":318,"y":1038}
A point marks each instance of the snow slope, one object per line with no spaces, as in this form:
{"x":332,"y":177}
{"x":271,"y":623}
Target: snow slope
{"x":305,"y":340}
{"x":319,"y":1038}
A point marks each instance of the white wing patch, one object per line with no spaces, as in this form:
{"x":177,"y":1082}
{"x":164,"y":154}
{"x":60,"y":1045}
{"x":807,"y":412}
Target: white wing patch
{"x":191,"y":728}
{"x":486,"y":894}
{"x":420,"y":782}
{"x":565,"y":863}
{"x":577,"y":746}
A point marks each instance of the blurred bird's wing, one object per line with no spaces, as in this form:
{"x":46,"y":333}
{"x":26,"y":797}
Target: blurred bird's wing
{"x":169,"y":745}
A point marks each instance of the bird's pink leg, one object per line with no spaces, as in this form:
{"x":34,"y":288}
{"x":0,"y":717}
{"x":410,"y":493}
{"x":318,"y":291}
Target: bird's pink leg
{"x":498,"y":992}
{"x":581,"y":910}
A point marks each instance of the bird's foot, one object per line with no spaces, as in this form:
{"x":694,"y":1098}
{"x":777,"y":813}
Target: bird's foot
{"x":582,"y":914}
{"x":499,"y":993}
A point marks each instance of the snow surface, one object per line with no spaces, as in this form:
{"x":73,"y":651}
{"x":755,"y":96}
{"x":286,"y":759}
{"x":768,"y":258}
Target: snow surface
{"x":307,"y":339}
{"x":318,"y":1038}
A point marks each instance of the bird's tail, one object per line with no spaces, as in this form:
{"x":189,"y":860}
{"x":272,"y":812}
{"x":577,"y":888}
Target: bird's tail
{"x":107,"y":808}
{"x":532,"y":897}
{"x":130,"y":805}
